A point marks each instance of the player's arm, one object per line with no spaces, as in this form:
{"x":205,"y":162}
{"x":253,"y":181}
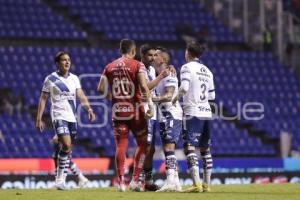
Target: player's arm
{"x":152,"y":84}
{"x":211,"y":89}
{"x":211,"y":94}
{"x":41,"y":108}
{"x":103,"y":88}
{"x":169,"y":91}
{"x":145,"y":93}
{"x":185,"y":76}
{"x":85,"y":104}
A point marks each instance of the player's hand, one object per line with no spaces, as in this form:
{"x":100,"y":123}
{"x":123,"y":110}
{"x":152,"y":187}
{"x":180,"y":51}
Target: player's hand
{"x":164,"y":73}
{"x":40,"y":125}
{"x":150,"y":112}
{"x":172,"y":70}
{"x":91,"y":114}
{"x":174,"y":101}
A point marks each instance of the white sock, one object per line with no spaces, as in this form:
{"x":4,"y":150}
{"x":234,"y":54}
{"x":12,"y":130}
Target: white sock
{"x":194,"y":168}
{"x":194,"y":172}
{"x":171,"y":175}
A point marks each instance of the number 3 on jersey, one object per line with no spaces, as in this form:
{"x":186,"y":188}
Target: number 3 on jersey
{"x":203,"y":92}
{"x":122,"y":88}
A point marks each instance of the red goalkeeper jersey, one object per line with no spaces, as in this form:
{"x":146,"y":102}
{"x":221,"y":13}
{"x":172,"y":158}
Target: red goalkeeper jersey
{"x":122,"y":75}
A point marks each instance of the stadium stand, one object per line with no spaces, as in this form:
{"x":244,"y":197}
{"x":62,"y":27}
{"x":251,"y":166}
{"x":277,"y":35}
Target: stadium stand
{"x":155,"y":20}
{"x":33,"y":19}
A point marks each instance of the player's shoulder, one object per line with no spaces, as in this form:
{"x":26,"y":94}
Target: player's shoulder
{"x":170,"y":79}
{"x":53,"y":74}
{"x":72,"y":75}
{"x":186,"y":67}
{"x":133,"y":61}
{"x":134,"y":64}
{"x":206,"y":69}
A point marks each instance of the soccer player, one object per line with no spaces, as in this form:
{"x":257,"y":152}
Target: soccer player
{"x":170,"y":119}
{"x":82,"y":180}
{"x":148,"y":53}
{"x":63,"y":87}
{"x":123,"y":81}
{"x":197,"y":89}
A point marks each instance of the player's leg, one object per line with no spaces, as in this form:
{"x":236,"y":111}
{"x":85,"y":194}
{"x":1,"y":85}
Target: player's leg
{"x":190,"y":126}
{"x":206,"y":156}
{"x":148,"y":164}
{"x":56,"y":148}
{"x":121,"y":140}
{"x":62,"y":130}
{"x":169,"y":132}
{"x":139,"y":128}
{"x":82,"y":180}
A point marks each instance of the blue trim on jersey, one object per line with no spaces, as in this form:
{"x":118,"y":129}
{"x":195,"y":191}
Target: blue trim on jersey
{"x":62,"y":88}
{"x":185,"y":71}
{"x":198,"y":61}
{"x":185,"y":79}
{"x":148,"y":74}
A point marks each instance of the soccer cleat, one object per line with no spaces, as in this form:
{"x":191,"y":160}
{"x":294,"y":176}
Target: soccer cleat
{"x":61,"y":186}
{"x":193,"y":189}
{"x":136,"y":186}
{"x":121,"y":187}
{"x":178,"y":187}
{"x":151,"y":187}
{"x":168,"y":187}
{"x":82,"y":181}
{"x":60,"y":182}
{"x":206,"y":188}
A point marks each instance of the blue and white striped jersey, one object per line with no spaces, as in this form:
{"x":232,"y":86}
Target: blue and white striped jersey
{"x":176,"y":111}
{"x":151,"y":76}
{"x":63,"y":95}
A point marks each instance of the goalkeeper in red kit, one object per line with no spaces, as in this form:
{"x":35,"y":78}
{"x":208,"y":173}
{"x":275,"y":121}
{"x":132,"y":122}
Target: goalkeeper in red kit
{"x":123,"y":82}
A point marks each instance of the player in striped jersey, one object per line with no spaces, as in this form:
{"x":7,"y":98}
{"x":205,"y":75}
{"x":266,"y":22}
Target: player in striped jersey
{"x":63,"y":87}
{"x":148,"y":54}
{"x":170,"y":120}
{"x":197,"y":89}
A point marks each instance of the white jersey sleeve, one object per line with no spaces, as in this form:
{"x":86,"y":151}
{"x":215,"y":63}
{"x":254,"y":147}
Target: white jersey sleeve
{"x":170,"y":81}
{"x":176,"y":111}
{"x":46,"y":85}
{"x":185,"y":78}
{"x":77,"y":82}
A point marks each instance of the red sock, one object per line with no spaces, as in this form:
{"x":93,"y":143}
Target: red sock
{"x":121,"y":148}
{"x":139,"y":158}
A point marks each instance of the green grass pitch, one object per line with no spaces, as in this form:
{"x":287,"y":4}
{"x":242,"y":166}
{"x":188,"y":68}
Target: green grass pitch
{"x":221,"y":192}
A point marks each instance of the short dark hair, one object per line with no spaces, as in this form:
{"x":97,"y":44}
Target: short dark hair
{"x":126,"y":45}
{"x":58,"y":55}
{"x":195,"y":49}
{"x":145,"y":48}
{"x":161,"y":48}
